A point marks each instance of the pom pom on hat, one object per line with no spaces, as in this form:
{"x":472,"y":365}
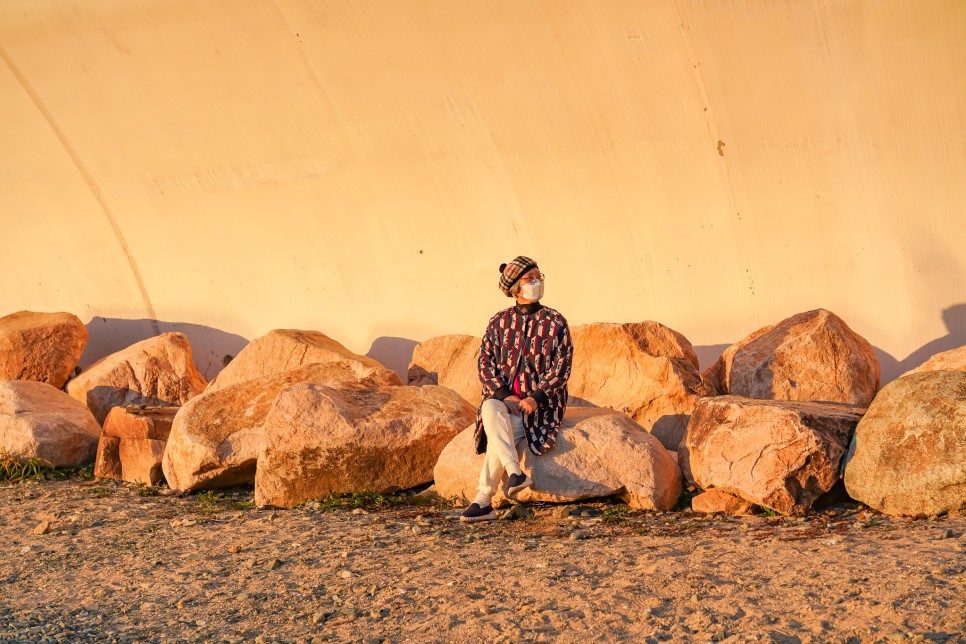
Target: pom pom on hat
{"x":502,"y":267}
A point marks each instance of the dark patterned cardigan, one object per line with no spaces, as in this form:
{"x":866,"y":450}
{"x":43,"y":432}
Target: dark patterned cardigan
{"x":544,"y":337}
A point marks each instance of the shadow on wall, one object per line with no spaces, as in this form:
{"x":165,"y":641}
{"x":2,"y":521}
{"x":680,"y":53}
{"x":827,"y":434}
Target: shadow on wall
{"x":954,"y":318}
{"x":210,"y":347}
{"x":708,"y":354}
{"x":393,"y":353}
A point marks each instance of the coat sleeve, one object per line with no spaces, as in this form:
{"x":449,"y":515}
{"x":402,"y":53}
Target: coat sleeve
{"x":491,"y":376}
{"x":560,"y":363}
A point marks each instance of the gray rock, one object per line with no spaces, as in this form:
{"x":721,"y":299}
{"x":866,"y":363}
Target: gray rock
{"x":577,"y":535}
{"x":518,"y":512}
{"x":563,"y":511}
{"x":273,"y":564}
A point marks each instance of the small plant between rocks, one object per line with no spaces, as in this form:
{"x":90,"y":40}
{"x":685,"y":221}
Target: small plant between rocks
{"x":364,"y":500}
{"x":38,"y":469}
{"x":13,"y":470}
{"x":213,"y":502}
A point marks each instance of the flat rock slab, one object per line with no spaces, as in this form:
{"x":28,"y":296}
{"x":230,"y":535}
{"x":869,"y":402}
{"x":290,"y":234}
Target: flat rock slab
{"x":781,"y":455}
{"x":140,"y":422}
{"x":599,"y":452}
{"x":40,"y":346}
{"x":809,"y":356}
{"x":156,"y":371}
{"x":908,"y":456}
{"x":352,"y":437}
{"x":39,"y":421}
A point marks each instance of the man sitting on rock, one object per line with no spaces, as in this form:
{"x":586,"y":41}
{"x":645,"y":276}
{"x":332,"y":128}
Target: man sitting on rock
{"x":524,"y":365}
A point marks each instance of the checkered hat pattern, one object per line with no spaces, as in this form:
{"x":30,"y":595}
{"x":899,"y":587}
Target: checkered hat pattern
{"x":511,"y":273}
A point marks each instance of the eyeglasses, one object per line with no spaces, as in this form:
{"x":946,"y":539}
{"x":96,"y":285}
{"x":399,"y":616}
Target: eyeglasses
{"x":531,"y":277}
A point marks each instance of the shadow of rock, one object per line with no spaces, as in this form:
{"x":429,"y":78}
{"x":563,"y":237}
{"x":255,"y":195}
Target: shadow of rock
{"x":576,"y":401}
{"x":838,"y":494}
{"x":889,"y":367}
{"x":708,"y":354}
{"x":954,"y":318}
{"x":393,"y":353}
{"x":671,"y":429}
{"x":211,"y":348}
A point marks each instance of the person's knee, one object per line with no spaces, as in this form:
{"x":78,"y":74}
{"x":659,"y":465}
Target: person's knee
{"x":494,"y":406}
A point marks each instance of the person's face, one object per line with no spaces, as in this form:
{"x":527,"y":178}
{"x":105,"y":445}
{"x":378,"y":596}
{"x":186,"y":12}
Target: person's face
{"x":532,"y":275}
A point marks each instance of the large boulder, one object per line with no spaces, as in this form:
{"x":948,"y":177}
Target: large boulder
{"x":156,"y":371}
{"x":132,"y":443}
{"x":39,"y":421}
{"x":781,"y":455}
{"x":217,"y":436}
{"x":809,"y":356}
{"x":40,"y":346}
{"x":952,"y":360}
{"x":599,"y":452}
{"x":282,"y":350}
{"x":450,"y":361}
{"x":908,"y":456}
{"x":642,"y":369}
{"x":352,"y":437}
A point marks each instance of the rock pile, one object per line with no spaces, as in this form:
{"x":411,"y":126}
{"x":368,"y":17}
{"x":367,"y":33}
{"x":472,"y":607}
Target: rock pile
{"x":301,"y":416}
{"x":132,"y":444}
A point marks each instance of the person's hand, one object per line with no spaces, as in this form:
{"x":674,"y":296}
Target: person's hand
{"x":528,"y":405}
{"x":512,"y":404}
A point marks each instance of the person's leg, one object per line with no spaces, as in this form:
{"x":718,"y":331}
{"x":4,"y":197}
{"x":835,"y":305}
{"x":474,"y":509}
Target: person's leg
{"x":517,"y":480}
{"x":503,"y":430}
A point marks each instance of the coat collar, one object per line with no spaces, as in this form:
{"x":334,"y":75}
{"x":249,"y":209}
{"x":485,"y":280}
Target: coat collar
{"x":527,"y":309}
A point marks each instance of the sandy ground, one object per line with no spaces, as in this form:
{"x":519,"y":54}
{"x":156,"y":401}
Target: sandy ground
{"x":118,"y":566}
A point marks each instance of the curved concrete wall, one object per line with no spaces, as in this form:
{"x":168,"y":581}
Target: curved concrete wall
{"x":362,"y":168}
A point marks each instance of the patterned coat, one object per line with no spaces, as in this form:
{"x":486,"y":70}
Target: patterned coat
{"x":542,"y":336}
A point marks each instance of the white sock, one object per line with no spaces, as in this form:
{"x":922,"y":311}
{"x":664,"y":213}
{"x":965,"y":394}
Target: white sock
{"x":482,"y":500}
{"x":513,"y":468}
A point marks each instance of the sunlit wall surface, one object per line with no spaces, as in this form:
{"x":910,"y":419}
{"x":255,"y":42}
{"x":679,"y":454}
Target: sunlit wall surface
{"x":362,"y":168}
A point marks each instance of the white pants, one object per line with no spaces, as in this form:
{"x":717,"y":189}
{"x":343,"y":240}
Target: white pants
{"x":504,"y":431}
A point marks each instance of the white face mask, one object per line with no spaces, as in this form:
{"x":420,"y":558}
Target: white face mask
{"x":532,"y":290}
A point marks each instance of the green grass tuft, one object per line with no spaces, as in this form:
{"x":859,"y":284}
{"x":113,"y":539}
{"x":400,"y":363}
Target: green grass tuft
{"x":13,"y":470}
{"x":37,"y":469}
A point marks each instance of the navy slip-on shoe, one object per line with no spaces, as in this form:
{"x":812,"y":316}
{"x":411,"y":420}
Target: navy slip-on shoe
{"x":476,"y":513}
{"x":516,"y":483}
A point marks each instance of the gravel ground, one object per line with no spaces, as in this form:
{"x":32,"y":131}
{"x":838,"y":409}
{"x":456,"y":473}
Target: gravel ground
{"x":121,"y":566}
